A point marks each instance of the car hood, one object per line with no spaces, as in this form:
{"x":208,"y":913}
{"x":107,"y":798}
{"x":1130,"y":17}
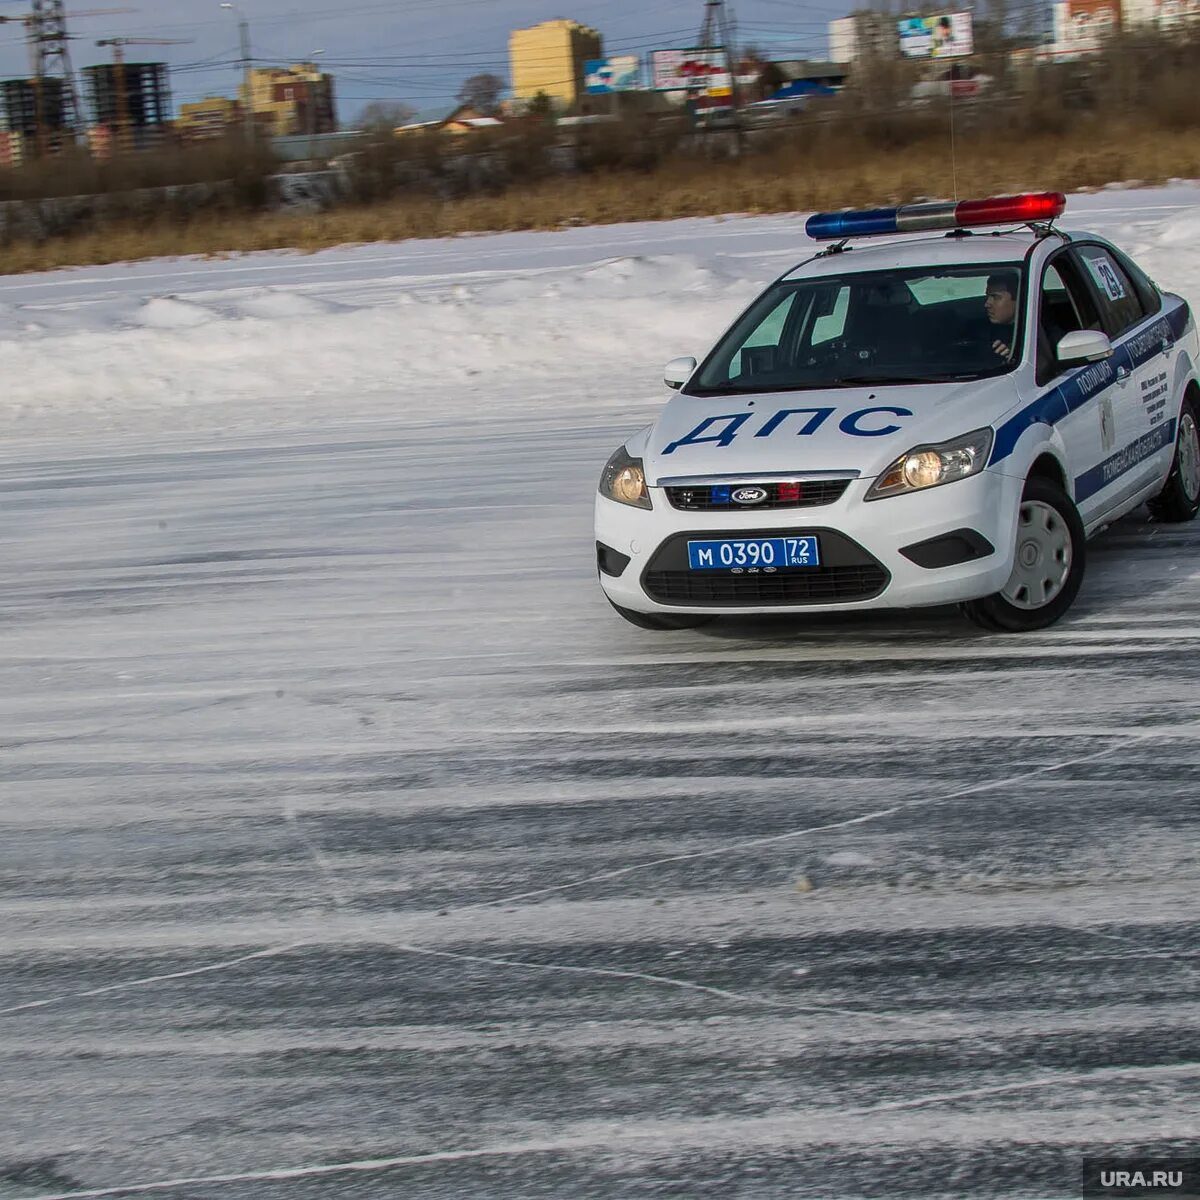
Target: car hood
{"x":842,"y":430}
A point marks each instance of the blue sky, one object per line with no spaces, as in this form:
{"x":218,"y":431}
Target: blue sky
{"x":412,"y":51}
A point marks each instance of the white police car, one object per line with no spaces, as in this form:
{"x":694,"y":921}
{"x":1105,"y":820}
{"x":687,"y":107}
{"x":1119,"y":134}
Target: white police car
{"x":919,"y":421}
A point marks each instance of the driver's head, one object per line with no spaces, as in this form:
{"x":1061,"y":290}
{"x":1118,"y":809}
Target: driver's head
{"x":1001,"y":300}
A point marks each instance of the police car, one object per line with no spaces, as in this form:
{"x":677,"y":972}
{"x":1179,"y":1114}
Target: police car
{"x":913,"y":421}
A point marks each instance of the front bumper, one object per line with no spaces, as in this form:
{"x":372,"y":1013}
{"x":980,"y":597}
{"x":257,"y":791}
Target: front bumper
{"x":862,"y":551}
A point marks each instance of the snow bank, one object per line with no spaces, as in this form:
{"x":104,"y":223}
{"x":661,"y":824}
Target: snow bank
{"x":272,"y":351}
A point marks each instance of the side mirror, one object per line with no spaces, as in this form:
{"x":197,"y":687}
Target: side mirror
{"x":678,"y":371}
{"x":1084,"y":345}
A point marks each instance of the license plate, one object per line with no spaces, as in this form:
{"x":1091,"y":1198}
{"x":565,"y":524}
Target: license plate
{"x":754,"y":554}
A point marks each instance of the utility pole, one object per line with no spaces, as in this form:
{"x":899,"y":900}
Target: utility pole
{"x":244,"y":38}
{"x":311,"y":91}
{"x":248,"y":115}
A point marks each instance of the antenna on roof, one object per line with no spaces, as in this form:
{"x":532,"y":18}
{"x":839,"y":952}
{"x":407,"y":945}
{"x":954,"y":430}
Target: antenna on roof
{"x":953,"y":150}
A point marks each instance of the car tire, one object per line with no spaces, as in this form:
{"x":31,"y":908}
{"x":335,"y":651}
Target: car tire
{"x":1180,"y":498}
{"x":1048,"y":564}
{"x":662,"y":622}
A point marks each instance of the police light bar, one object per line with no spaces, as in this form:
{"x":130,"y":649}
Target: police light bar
{"x":909,"y":218}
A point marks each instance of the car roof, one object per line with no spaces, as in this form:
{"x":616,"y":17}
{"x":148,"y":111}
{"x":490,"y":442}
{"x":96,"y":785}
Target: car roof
{"x":922,"y":250}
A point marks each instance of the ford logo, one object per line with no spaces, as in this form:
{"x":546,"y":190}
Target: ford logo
{"x":749,"y":495}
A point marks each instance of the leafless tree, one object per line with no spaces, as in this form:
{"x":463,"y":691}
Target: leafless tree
{"x":482,"y":93}
{"x":385,"y":114}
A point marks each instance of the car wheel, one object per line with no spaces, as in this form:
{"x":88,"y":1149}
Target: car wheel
{"x":1180,"y":498}
{"x":1048,"y":564}
{"x":662,"y":621}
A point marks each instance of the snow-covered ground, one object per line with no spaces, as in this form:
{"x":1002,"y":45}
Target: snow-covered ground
{"x":350,"y":847}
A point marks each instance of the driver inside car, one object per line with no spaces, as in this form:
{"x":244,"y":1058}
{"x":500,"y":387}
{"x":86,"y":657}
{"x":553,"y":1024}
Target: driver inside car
{"x":1000,"y":305}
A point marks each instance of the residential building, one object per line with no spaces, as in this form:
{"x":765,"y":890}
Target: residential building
{"x":863,"y":34}
{"x":457,"y":118}
{"x":208,"y":118}
{"x":550,"y":58}
{"x":289,"y":100}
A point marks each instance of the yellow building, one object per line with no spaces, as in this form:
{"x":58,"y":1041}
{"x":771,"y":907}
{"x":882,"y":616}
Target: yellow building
{"x":209,"y":117}
{"x":549,"y":58}
{"x":288,"y":100}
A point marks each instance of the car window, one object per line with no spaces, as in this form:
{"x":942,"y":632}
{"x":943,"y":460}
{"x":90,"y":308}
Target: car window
{"x":770,"y":332}
{"x":1146,"y":288}
{"x":1066,"y":305}
{"x":911,"y":325}
{"x":762,"y":349}
{"x":1114,"y":290}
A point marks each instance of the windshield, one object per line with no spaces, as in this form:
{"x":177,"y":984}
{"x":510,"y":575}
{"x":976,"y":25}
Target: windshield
{"x":922,"y":325}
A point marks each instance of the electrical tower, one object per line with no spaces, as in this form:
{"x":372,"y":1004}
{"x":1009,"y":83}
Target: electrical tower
{"x":717,"y":37}
{"x":53,"y":114}
{"x":48,"y":48}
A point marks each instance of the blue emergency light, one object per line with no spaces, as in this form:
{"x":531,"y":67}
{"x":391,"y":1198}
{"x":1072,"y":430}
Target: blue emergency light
{"x":912,"y":218}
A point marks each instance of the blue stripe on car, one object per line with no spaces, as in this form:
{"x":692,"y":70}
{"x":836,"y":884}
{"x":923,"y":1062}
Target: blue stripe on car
{"x":1101,"y":475}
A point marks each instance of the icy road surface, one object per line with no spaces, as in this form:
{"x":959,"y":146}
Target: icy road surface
{"x":352,"y":848}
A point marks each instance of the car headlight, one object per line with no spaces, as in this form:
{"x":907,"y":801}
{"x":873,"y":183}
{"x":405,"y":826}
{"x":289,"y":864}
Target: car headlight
{"x":931,"y":466}
{"x":624,"y":480}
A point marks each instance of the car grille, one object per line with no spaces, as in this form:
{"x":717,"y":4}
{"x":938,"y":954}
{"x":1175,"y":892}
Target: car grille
{"x":847,"y":573}
{"x":803,"y":493}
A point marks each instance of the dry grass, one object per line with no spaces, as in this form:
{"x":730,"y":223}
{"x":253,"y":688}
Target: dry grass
{"x":826,"y":171}
{"x":77,"y":173}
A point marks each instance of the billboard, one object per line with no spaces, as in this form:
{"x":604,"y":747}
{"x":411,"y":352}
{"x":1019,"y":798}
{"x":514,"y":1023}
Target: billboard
{"x":945,"y":36}
{"x":1083,"y":24}
{"x":699,"y":72}
{"x":604,"y":75}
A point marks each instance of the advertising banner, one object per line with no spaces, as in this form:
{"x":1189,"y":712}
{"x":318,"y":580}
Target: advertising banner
{"x":698,"y":72}
{"x":604,"y":75}
{"x":945,"y":36}
{"x":1080,"y":27}
{"x":1176,"y":12}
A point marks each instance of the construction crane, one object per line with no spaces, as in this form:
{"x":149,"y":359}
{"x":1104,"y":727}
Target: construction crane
{"x":46,"y":35}
{"x":118,"y":44}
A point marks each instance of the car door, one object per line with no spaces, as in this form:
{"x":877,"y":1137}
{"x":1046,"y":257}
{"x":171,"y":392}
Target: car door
{"x":1155,"y":346}
{"x":1092,"y":395}
{"x":1142,"y":435}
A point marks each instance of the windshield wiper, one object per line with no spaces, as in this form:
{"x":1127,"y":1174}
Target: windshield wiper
{"x":756,"y":391}
{"x":847,"y":381}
